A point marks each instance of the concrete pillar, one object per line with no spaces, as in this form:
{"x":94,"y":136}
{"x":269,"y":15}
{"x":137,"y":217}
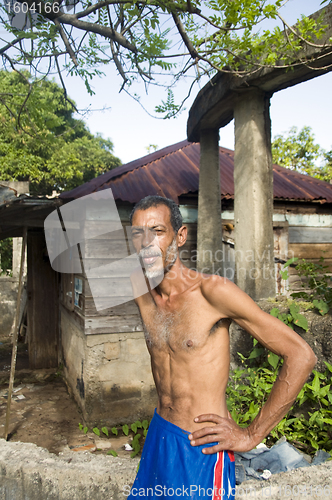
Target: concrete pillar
{"x":209,"y":235}
{"x":253,"y":195}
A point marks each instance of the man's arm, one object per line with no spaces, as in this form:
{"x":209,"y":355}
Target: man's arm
{"x":299,"y":360}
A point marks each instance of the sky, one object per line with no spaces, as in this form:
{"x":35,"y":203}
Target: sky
{"x":132,"y":130}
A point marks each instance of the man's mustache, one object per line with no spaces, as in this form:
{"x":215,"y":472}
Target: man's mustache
{"x":150,"y":253}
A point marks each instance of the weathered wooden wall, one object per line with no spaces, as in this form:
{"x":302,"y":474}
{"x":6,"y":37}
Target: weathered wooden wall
{"x":43,"y":305}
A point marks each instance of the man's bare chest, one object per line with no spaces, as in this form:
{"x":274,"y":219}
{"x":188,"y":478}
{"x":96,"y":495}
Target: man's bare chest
{"x":186,"y":327}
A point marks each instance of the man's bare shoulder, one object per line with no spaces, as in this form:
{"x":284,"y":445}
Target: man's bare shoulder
{"x":214,"y":286}
{"x":227,"y":297}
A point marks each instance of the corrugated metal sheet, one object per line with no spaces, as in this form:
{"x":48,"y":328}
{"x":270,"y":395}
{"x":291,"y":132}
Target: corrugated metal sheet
{"x":174,"y":171}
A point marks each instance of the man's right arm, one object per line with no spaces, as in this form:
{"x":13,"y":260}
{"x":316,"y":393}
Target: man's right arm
{"x":299,"y":360}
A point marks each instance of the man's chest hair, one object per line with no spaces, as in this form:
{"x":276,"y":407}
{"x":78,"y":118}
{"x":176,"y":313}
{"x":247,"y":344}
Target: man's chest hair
{"x":183,"y":327}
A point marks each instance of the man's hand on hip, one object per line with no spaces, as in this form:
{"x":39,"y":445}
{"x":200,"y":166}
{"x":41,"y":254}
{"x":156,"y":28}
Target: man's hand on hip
{"x":228,"y":434}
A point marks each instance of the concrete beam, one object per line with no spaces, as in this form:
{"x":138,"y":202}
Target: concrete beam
{"x":253,"y":196}
{"x":31,"y":473}
{"x":209,"y":229}
{"x":214,"y":104}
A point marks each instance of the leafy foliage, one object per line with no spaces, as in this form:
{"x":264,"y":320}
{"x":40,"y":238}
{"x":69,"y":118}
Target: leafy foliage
{"x":125,"y":429}
{"x":42,"y":142}
{"x":136,"y":443}
{"x":298,"y":151}
{"x":105,"y":431}
{"x":317,"y":283}
{"x":153,"y":41}
{"x":250,"y":386}
{"x":6,"y":255}
{"x":112,"y":452}
{"x":293,"y":317}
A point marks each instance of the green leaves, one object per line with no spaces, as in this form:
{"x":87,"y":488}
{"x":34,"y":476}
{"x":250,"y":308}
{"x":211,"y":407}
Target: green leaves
{"x":284,"y":271}
{"x":301,"y":321}
{"x":125,"y":429}
{"x":136,"y":425}
{"x":297,"y":318}
{"x":40,"y":140}
{"x":318,"y":282}
{"x":136,"y":445}
{"x":298,"y":150}
{"x":81,"y":428}
{"x":322,"y":306}
{"x":112,"y":452}
{"x":273,"y":359}
{"x":293,"y":317}
{"x":136,"y":442}
{"x":168,"y":107}
{"x":223,"y":35}
{"x":249,"y":387}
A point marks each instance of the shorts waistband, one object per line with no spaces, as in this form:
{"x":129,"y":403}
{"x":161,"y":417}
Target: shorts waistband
{"x":168,"y":426}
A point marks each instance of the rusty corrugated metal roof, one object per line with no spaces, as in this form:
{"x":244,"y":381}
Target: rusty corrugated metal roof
{"x":174,"y":171}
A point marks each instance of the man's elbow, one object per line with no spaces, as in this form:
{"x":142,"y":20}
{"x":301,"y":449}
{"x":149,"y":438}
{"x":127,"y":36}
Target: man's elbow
{"x":309,"y":358}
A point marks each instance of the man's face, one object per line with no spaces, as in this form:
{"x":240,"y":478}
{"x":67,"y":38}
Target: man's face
{"x":154,"y":240}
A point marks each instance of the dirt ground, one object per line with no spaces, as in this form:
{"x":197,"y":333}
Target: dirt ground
{"x":42,"y":412}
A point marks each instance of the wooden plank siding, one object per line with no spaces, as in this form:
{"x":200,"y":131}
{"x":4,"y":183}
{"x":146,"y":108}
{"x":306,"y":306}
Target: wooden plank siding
{"x":310,"y":243}
{"x":300,"y":234}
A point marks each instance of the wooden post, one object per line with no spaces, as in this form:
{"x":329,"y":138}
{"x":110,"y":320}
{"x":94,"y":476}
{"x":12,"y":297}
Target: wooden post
{"x":43,"y":305}
{"x":15,"y":334}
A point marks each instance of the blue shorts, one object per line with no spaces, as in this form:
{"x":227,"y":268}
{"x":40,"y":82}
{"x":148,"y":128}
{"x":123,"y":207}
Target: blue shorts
{"x":171,"y":467}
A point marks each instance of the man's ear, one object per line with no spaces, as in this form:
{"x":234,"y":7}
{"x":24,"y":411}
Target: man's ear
{"x":182,"y":236}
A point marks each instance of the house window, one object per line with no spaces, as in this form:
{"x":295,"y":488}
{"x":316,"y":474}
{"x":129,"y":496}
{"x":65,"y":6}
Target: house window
{"x":78,"y":292}
{"x":67,"y":291}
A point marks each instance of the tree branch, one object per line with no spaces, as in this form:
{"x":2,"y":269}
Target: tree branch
{"x":104,"y":31}
{"x":118,"y":65}
{"x":66,"y":42}
{"x":193,"y":52}
{"x":315,"y":45}
{"x":9,"y":45}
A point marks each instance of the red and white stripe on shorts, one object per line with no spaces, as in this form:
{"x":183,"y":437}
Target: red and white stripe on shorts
{"x":222,"y":489}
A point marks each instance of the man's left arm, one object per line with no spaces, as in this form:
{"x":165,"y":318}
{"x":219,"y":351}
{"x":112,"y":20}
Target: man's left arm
{"x":299,"y":360}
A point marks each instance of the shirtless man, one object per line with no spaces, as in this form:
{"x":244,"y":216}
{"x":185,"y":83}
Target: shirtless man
{"x":186,"y":320}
